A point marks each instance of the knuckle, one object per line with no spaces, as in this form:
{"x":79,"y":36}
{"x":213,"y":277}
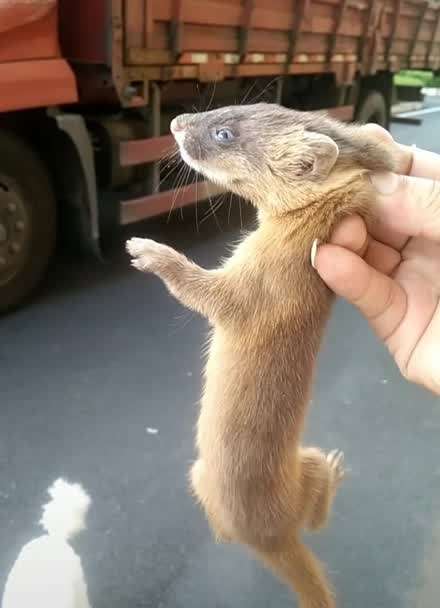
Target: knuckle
{"x":383,"y":304}
{"x":377,"y":131}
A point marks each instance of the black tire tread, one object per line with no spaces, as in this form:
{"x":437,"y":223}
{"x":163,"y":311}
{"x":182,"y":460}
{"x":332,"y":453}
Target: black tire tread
{"x":19,"y":161}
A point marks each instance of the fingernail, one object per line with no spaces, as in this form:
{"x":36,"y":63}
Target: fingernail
{"x":314,"y":251}
{"x":385,"y":183}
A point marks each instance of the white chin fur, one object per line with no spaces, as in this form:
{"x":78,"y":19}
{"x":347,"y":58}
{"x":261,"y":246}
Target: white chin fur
{"x":213,"y":175}
{"x":188,"y":160}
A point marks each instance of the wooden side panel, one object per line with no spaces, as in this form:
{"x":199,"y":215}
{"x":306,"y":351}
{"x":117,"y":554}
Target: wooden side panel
{"x":135,"y":23}
{"x":217,"y":31}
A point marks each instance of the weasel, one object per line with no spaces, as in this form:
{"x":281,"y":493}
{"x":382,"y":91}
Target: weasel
{"x":268,"y":309}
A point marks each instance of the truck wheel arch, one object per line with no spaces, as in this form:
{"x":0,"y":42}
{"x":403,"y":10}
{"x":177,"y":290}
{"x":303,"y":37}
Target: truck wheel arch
{"x":48,"y":165}
{"x":72,"y":164}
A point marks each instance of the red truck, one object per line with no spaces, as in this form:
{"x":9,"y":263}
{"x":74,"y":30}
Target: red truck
{"x":88,"y":89}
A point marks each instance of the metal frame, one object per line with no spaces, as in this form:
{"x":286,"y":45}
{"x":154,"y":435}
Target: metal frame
{"x":155,"y":131}
{"x":392,"y":36}
{"x":338,"y":24}
{"x":367,"y":31}
{"x":420,"y":23}
{"x":295,"y":32}
{"x":434,"y":40}
{"x":245,"y":25}
{"x":176,"y":28}
{"x":372,"y":59}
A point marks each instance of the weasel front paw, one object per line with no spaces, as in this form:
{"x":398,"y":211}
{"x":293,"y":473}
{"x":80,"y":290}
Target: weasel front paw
{"x":136,"y":246}
{"x":146,"y":253}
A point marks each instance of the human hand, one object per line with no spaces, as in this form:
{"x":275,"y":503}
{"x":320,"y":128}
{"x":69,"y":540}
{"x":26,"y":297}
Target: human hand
{"x":392,"y":272}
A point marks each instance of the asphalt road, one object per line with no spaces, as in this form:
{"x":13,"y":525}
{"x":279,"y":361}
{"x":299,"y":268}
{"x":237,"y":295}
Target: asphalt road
{"x":104,"y":354}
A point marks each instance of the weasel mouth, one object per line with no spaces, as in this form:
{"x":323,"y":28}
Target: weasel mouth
{"x":179,"y":136}
{"x":194,"y":164}
{"x":211,"y":173}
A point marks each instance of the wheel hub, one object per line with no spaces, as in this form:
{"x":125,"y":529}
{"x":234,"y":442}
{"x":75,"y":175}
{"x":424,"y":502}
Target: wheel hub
{"x":14,"y":230}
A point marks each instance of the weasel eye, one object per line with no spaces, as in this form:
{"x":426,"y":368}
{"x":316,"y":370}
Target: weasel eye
{"x":224,"y":135}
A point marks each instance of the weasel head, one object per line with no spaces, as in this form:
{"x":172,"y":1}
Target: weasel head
{"x":279,"y":159}
{"x":261,"y":152}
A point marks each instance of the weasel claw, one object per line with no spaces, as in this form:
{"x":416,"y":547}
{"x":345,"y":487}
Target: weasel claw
{"x":335,"y":459}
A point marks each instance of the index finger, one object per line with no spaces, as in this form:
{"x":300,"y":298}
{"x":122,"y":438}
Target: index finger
{"x":424,"y":163}
{"x":403,"y":154}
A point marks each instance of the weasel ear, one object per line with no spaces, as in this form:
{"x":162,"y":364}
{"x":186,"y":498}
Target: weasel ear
{"x":323,"y":154}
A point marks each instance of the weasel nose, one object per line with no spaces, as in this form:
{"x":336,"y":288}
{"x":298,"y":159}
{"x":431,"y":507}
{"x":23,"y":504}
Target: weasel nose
{"x":178,"y":124}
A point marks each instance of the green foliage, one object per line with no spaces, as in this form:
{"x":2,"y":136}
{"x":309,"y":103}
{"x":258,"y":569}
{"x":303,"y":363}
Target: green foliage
{"x":416,"y":78}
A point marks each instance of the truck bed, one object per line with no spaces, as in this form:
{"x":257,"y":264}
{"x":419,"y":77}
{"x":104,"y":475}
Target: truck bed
{"x":211,"y":40}
{"x":192,"y":38}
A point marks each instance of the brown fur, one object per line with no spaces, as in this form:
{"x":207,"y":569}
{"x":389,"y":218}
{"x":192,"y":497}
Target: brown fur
{"x":268,"y":308}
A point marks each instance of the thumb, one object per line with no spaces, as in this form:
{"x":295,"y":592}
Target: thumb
{"x":408,"y":205}
{"x":380,"y":299}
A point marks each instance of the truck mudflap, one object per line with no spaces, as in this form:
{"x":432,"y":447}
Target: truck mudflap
{"x":74,"y":126}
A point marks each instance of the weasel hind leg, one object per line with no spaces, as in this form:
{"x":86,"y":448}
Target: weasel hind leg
{"x":321,"y":475}
{"x":286,"y":555}
{"x":289,"y":558}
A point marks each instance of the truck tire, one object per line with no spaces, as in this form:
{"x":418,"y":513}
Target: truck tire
{"x":27,"y":221}
{"x":373,"y":108}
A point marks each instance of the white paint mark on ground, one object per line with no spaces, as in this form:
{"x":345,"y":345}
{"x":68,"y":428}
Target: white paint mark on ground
{"x":420,"y":112}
